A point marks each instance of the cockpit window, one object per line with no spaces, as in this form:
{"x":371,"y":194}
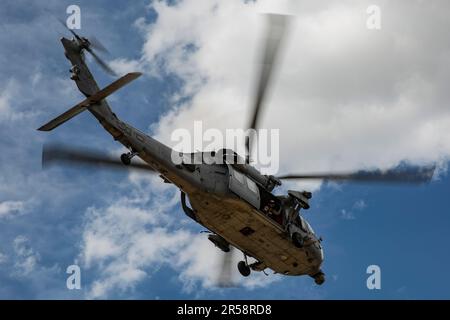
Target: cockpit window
{"x":252,"y":185}
{"x":305,"y":225}
{"x":239,"y":176}
{"x":308,"y":227}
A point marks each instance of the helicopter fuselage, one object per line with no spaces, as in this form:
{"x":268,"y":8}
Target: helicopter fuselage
{"x":227,"y":202}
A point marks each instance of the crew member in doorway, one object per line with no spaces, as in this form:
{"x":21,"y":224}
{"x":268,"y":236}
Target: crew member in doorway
{"x":274,"y":211}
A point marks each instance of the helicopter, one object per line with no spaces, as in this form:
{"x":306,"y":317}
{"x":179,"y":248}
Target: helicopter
{"x":228,"y":196}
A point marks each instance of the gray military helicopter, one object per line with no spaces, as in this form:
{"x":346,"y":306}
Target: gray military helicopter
{"x":227,"y":195}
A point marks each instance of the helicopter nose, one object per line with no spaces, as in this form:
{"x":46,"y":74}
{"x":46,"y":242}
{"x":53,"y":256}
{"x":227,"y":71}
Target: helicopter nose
{"x":316,"y":253}
{"x":321,"y":254}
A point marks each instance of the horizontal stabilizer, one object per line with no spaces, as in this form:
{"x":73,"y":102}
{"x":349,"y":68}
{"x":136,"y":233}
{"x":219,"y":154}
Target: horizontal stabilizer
{"x":113,"y":87}
{"x":69,"y":114}
{"x":95,"y":98}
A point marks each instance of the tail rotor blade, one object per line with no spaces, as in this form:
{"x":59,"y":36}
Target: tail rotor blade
{"x":90,"y":44}
{"x":97,"y":45}
{"x":102,"y":64}
{"x":64,"y":24}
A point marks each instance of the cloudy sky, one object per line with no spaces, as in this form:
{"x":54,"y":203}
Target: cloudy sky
{"x":344,"y":98}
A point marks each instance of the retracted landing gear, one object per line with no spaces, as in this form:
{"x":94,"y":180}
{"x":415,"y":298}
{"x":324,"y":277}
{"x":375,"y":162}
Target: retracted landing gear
{"x":126,"y":157}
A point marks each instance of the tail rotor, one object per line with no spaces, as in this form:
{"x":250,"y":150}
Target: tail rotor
{"x":90,"y":46}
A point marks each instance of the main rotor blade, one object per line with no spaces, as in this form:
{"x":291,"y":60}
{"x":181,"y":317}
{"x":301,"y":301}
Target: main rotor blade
{"x":225,"y":277}
{"x":101,"y":63}
{"x":58,"y":154}
{"x":277,"y":26}
{"x":411,"y":175}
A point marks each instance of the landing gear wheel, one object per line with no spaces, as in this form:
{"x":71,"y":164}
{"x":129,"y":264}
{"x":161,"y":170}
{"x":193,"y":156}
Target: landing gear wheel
{"x":298,"y":240}
{"x":319,"y":278}
{"x":125,"y":158}
{"x":244,"y":269}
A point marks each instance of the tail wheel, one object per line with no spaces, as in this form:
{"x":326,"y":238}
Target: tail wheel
{"x":243,"y":268}
{"x":319,"y":278}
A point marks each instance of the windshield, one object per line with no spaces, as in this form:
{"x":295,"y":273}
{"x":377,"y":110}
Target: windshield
{"x":306,"y":226}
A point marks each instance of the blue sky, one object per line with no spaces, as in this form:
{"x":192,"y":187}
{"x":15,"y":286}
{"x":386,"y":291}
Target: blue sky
{"x":128,"y":233}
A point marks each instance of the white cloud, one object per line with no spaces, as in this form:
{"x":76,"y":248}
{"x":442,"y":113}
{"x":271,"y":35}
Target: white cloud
{"x":26,"y":258}
{"x":344,"y":98}
{"x":129,"y":239}
{"x":360,"y":205}
{"x":12,"y":99}
{"x":25,"y":266}
{"x":11,"y":208}
{"x":6,"y":95}
{"x":4,"y":102}
{"x":123,"y":66}
{"x":108,"y":229}
{"x":349,"y":214}
{"x":3,"y":258}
